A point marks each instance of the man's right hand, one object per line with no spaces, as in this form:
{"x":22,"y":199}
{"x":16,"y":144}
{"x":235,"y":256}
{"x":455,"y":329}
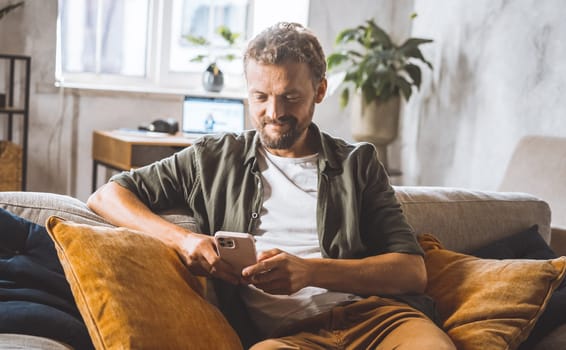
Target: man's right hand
{"x":121,"y":207}
{"x":199,"y":253}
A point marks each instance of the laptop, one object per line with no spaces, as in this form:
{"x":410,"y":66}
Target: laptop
{"x":212,"y":115}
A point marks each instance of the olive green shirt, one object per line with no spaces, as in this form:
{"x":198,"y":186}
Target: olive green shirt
{"x":218,"y":180}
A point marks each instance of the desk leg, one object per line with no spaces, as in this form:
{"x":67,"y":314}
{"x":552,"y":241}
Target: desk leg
{"x":94,"y":175}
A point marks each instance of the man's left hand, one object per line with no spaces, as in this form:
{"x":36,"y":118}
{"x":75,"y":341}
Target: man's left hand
{"x":278,"y":272}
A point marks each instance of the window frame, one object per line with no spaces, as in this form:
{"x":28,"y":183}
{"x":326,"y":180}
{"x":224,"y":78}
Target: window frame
{"x":158,"y":77}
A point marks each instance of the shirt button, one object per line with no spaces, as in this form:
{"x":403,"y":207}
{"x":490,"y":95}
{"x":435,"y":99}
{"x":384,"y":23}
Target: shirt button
{"x":254,"y":215}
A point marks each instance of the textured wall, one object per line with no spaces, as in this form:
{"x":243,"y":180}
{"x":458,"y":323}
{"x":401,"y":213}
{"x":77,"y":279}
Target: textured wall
{"x":499,"y":74}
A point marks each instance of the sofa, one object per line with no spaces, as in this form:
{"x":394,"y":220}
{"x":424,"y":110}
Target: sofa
{"x":523,"y":174}
{"x":462,"y":220}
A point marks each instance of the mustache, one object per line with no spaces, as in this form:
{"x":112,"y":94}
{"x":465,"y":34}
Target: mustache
{"x":286,"y":119}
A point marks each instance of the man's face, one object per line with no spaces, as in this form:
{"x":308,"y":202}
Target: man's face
{"x":281,"y":100}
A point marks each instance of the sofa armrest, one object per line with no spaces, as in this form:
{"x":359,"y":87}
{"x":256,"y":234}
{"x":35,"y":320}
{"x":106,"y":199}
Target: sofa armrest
{"x":38,"y":206}
{"x":464,"y":220}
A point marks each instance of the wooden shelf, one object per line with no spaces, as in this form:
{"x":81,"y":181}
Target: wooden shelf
{"x":12,"y":110}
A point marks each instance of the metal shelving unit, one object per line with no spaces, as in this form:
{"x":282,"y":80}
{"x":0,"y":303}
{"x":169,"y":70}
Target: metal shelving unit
{"x":10,"y":110}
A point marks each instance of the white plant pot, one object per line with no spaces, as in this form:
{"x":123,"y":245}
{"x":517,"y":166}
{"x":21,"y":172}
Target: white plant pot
{"x":376,"y":122}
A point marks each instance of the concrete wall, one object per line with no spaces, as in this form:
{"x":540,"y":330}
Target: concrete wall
{"x":498,"y":75}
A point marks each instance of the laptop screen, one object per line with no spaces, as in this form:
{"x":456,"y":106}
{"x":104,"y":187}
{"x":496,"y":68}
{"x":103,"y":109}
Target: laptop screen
{"x":208,"y":115}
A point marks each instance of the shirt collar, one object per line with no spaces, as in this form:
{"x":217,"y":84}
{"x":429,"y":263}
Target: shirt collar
{"x":327,"y":149}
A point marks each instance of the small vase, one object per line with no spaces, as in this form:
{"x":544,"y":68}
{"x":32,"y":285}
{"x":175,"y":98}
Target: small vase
{"x":213,"y":78}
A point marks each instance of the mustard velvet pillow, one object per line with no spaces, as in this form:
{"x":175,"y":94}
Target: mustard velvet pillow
{"x":134,"y":292}
{"x":488,"y":303}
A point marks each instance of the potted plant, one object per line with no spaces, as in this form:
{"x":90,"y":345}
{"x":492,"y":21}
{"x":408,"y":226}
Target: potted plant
{"x":213,"y":78}
{"x":379,"y":72}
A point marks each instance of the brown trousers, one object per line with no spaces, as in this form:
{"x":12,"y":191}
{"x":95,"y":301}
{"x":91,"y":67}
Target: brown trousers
{"x":372,"y":323}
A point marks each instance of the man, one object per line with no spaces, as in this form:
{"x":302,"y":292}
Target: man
{"x":338,"y":265}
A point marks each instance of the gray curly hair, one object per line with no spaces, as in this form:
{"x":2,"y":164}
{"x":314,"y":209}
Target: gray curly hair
{"x":286,"y":42}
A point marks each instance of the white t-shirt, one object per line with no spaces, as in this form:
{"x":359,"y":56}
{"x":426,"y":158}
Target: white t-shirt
{"x":288,"y":222}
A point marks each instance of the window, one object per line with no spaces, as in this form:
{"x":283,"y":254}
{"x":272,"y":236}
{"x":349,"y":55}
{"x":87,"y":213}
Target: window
{"x":142,"y":43}
{"x":201,"y":18}
{"x":104,"y":36}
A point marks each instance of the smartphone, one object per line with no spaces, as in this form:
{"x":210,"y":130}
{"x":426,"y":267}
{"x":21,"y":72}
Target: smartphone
{"x":236,"y":248}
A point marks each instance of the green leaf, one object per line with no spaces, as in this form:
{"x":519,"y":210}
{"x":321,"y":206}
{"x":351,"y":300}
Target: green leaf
{"x":416,"y":53}
{"x":335,"y":59}
{"x":386,"y":90}
{"x":414,"y":72}
{"x":198,"y":58}
{"x":368,"y":91}
{"x":227,"y":34}
{"x":378,"y":36}
{"x":412,"y":43}
{"x":404,"y":86}
{"x":353,"y":53}
{"x":196,"y":40}
{"x":344,"y":97}
{"x":352,"y":75}
{"x":347,"y":36}
{"x":379,"y":85}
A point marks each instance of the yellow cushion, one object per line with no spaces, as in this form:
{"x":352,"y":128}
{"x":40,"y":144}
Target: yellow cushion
{"x":488,"y":303}
{"x":134,"y":292}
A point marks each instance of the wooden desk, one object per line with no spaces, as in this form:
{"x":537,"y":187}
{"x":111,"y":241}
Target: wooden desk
{"x":125,"y":150}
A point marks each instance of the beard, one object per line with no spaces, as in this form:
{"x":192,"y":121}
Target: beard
{"x":283,"y":140}
{"x":286,"y":139}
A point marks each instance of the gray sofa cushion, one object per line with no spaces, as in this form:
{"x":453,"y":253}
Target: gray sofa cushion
{"x":38,"y":206}
{"x":29,"y":342}
{"x":464,"y":220}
